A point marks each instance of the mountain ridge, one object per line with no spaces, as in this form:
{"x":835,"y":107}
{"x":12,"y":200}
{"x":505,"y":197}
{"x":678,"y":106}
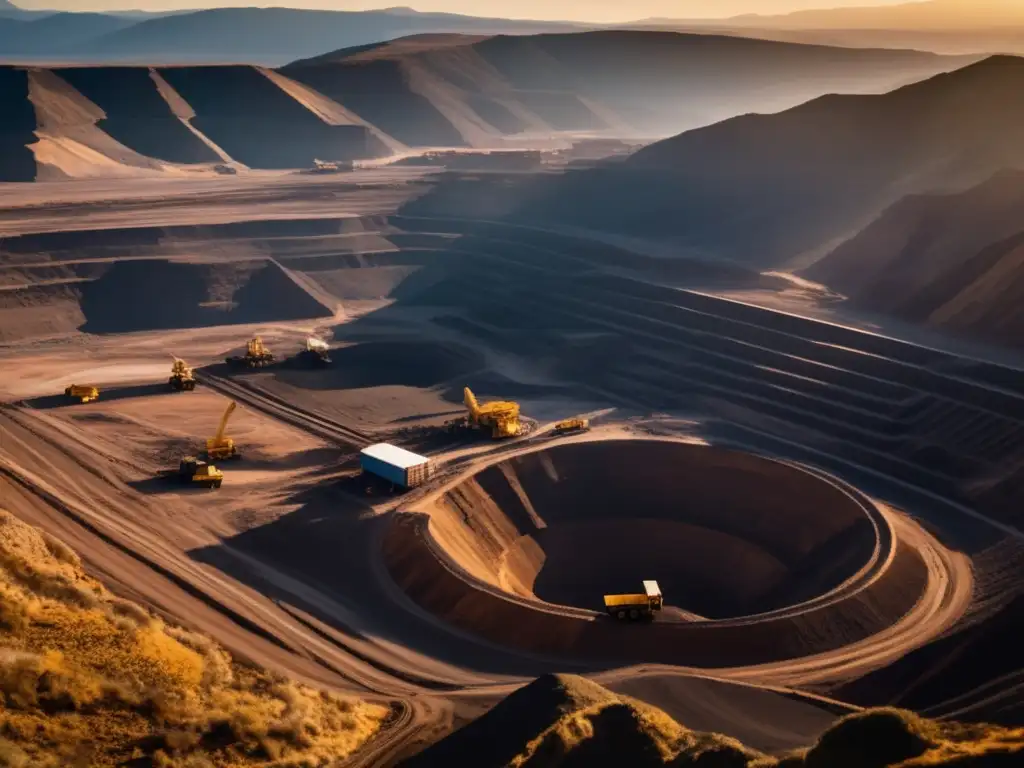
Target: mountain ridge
{"x":652,"y":83}
{"x":951,"y":261}
{"x":919,"y":14}
{"x":266,"y":36}
{"x":425,"y":91}
{"x":766,"y":189}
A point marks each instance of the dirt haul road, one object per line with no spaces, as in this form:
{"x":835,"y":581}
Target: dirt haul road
{"x":292,"y":565}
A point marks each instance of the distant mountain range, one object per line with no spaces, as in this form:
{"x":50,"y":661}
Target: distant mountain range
{"x":767,"y":189}
{"x":425,"y":91}
{"x":267,"y":36}
{"x":942,"y":26}
{"x":275,"y":36}
{"x":921,"y":15}
{"x":466,"y":91}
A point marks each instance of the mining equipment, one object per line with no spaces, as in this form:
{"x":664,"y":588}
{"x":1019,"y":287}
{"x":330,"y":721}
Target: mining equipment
{"x":635,"y":607}
{"x":197,"y":472}
{"x":218,"y":447}
{"x":336,"y":166}
{"x":182,"y":378}
{"x":500,"y":418}
{"x":402,"y":468}
{"x":316,"y":353}
{"x":572,"y":425}
{"x":256,"y":355}
{"x":82,"y":392}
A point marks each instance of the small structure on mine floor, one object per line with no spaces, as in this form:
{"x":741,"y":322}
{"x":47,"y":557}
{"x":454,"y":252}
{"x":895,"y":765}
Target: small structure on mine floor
{"x":403,"y":468}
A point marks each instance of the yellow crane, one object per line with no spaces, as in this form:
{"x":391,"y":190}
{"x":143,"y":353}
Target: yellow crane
{"x":182,"y":377}
{"x":500,"y":417}
{"x":219,"y":447}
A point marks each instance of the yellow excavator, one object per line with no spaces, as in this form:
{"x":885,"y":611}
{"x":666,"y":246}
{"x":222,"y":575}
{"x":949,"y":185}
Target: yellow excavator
{"x":183,"y":379}
{"x":84,"y":393}
{"x":218,"y":447}
{"x":499,"y":417}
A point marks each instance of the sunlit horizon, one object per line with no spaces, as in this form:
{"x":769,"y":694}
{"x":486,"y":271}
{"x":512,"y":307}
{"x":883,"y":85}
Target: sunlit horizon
{"x":598,"y":11}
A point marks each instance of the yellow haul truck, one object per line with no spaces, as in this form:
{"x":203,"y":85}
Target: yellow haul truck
{"x":635,"y":607}
{"x":572,"y":425}
{"x":82,"y":392}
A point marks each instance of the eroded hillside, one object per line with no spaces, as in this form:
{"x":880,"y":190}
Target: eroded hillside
{"x":775,"y":189}
{"x":950,"y":261}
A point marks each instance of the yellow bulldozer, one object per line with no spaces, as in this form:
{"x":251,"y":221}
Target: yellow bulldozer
{"x":183,"y":379}
{"x":257,"y":355}
{"x":500,"y":418}
{"x":219,"y":447}
{"x":198,"y":473}
{"x":82,"y":392}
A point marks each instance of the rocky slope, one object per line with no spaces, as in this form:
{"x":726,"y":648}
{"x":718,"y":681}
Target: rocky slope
{"x":648,"y":83}
{"x":768,"y":189}
{"x":951,"y":261}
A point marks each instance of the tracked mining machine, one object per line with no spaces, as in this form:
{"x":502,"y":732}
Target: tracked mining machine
{"x":500,"y":419}
{"x":183,"y":379}
{"x":635,"y":607}
{"x":257,"y":355}
{"x":83,"y":393}
{"x":219,"y":447}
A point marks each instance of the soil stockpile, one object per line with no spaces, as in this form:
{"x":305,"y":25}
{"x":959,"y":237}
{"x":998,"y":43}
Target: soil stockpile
{"x":137,"y":114}
{"x":144,"y":295}
{"x":249,"y":117}
{"x":566,"y":721}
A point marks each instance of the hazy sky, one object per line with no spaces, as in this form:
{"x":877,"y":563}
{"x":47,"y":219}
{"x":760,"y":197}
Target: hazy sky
{"x":584,"y":10}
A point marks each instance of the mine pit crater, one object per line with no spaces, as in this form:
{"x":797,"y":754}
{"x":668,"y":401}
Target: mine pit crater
{"x":727,"y":534}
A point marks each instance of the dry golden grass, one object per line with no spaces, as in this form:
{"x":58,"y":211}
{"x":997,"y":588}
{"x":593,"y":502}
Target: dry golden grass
{"x":88,"y":679}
